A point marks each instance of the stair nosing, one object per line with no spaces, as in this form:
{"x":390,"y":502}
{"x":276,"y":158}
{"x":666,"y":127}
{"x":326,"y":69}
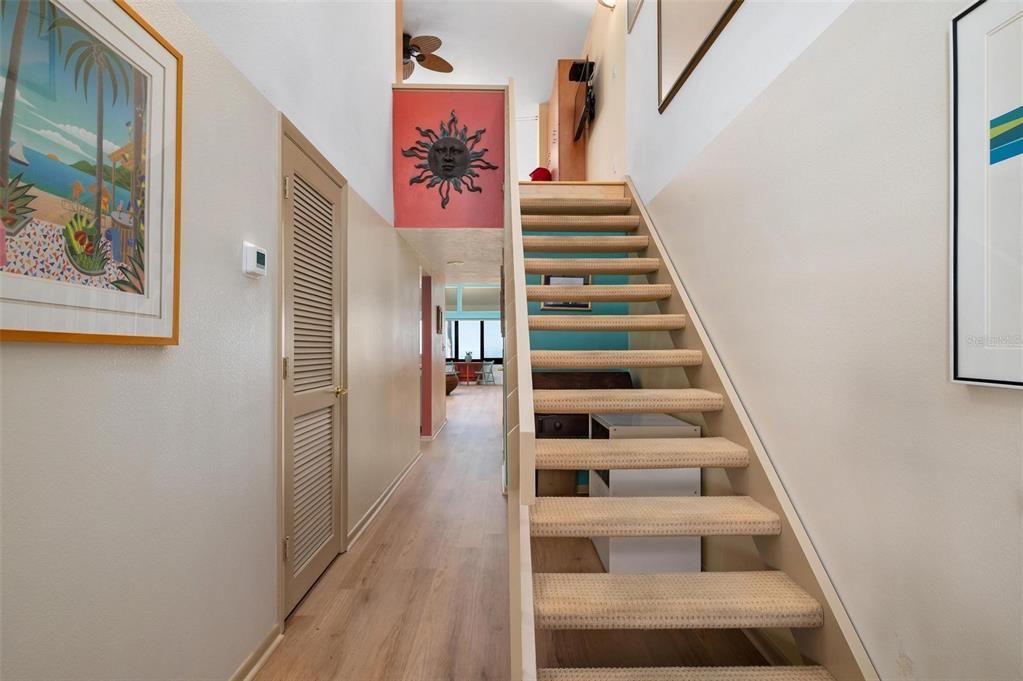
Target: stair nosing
{"x":729,"y":673}
{"x":693,"y":600}
{"x":702,"y":516}
{"x":604,"y":359}
{"x":639,"y":453}
{"x":668,"y":322}
{"x":626,"y":401}
{"x":599,"y":292}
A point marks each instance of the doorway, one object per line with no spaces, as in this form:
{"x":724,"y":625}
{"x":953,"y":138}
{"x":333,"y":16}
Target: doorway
{"x":314,"y":397}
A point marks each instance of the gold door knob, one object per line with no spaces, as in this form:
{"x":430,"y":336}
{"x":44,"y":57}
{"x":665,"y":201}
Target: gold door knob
{"x":339,"y":391}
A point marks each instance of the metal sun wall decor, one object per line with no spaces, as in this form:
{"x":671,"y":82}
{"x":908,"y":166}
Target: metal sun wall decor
{"x":448,"y":155}
{"x":449,"y":159}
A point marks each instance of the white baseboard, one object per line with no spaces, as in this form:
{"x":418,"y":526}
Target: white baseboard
{"x":434,"y":436}
{"x":368,"y":517}
{"x":258,"y":657}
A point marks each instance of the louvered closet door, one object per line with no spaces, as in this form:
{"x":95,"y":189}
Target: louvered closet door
{"x":314,"y":396}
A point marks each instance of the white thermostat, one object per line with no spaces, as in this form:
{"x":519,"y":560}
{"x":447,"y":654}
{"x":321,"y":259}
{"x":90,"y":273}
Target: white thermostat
{"x":253,"y":260}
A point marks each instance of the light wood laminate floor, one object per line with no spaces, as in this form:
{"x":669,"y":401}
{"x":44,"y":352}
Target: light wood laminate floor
{"x":423,"y":594}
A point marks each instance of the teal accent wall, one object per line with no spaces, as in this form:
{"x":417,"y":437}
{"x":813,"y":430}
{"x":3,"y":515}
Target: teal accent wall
{"x":576,"y":340}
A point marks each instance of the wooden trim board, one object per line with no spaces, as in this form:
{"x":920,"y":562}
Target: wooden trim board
{"x":431,"y":438}
{"x":378,"y":505}
{"x":251,"y":665}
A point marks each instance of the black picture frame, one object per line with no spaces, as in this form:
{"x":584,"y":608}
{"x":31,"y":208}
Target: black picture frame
{"x":956,"y":374}
{"x":577,"y":280}
{"x":665,"y":100}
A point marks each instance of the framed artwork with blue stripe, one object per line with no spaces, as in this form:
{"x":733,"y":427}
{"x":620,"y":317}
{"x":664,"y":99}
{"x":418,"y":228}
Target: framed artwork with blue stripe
{"x":987,"y":194}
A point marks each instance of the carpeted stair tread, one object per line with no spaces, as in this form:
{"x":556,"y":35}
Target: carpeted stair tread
{"x":614,"y":359}
{"x":691,"y":600}
{"x":589,"y":206}
{"x":651,"y":517}
{"x":580,"y":223}
{"x":626,"y":401}
{"x":600,"y":293}
{"x":639,"y":453}
{"x":592,"y":265}
{"x":584,"y":244}
{"x":609,"y":322}
{"x":765,"y":673}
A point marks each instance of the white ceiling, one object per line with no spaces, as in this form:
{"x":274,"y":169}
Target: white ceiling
{"x":478,"y":249}
{"x":488,"y":41}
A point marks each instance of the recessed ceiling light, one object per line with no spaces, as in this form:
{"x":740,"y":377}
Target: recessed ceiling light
{"x":456,"y":262}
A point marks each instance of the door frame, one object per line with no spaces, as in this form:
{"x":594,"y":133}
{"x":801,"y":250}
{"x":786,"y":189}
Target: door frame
{"x":288,"y":131}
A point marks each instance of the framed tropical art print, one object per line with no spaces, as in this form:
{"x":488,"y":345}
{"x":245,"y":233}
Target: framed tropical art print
{"x":90,"y":148}
{"x":987,"y":194}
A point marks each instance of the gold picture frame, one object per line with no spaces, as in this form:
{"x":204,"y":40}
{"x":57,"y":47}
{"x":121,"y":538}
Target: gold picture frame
{"x":124,"y":288}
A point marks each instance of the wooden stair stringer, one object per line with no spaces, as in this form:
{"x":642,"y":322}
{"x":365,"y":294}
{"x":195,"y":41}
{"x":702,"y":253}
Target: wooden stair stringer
{"x":835,"y":645}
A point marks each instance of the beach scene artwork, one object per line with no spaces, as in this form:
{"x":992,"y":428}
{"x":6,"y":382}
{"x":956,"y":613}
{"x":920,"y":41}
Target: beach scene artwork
{"x":72,"y":152}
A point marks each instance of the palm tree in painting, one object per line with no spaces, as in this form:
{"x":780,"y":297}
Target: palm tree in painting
{"x":91,"y":56}
{"x":11,"y":83}
{"x":47,"y":14}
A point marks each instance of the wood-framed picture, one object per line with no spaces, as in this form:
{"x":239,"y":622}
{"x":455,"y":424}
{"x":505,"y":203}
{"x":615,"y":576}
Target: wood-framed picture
{"x":986,"y":211}
{"x":90,"y":175}
{"x":686,"y":30}
{"x":632,"y":9}
{"x":565,"y":280}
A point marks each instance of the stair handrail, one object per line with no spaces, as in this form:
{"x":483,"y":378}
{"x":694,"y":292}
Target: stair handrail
{"x":519,"y":428}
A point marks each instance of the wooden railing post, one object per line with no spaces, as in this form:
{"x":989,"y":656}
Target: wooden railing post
{"x":520,"y":429}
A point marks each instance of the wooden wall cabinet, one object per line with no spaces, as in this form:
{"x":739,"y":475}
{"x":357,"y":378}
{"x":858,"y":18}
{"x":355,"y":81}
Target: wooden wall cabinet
{"x":566,"y":158}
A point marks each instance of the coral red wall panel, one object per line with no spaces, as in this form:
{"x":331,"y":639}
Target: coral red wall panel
{"x":448,"y":154}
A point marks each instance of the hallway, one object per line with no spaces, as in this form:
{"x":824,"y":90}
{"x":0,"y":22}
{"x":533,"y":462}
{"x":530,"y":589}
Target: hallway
{"x":423,"y":593}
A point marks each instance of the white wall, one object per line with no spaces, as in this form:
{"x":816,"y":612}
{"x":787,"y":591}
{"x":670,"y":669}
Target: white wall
{"x":759,"y":42}
{"x":328,"y":66}
{"x":606,"y":147}
{"x":139,"y":515}
{"x":383,"y":356}
{"x":812,"y":235}
{"x":527,"y":138}
{"x":139,"y":503}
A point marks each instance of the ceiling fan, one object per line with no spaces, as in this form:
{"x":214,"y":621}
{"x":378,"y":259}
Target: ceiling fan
{"x":420,"y":50}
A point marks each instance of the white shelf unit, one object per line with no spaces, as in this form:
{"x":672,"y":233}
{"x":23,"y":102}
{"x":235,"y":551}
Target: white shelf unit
{"x":645,"y":555}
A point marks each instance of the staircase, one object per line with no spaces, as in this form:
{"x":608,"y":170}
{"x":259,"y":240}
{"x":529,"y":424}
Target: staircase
{"x":684,"y":378}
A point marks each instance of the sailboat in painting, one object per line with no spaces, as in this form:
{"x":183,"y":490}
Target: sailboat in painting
{"x":18,"y":154}
{"x":73,"y":188}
